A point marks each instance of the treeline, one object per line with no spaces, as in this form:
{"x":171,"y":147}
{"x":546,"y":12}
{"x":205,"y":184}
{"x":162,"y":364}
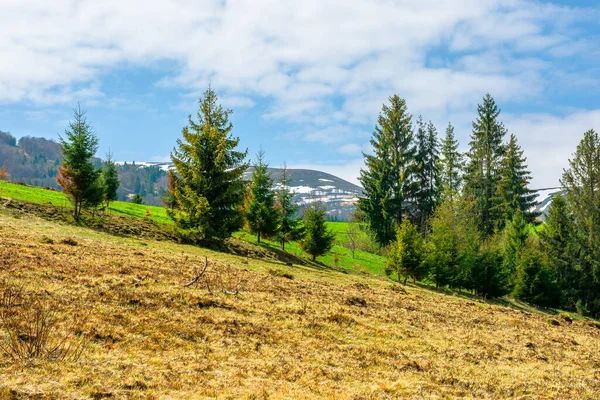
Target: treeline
{"x":467,"y":221}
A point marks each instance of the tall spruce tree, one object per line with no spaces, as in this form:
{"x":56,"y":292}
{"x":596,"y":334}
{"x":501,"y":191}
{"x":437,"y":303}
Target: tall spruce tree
{"x":289,"y":228}
{"x":387,"y":179}
{"x":209,"y":186}
{"x":581,"y":183}
{"x":427,"y":173}
{"x":110,"y":178}
{"x":261,"y":214}
{"x":512,"y":192}
{"x":406,"y":253}
{"x":78,"y":176}
{"x":486,"y":152}
{"x":451,"y":164}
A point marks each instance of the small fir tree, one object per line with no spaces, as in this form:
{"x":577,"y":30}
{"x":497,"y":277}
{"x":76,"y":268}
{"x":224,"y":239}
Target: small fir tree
{"x":289,"y":228}
{"x":451,"y":164}
{"x":515,"y":235}
{"x":318,"y":240}
{"x":137,"y":199}
{"x":78,"y":176}
{"x":209,"y":184}
{"x":406,"y":253}
{"x":110,"y":178}
{"x":260,"y":212}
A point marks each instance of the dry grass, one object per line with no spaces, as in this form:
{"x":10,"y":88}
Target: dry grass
{"x":322,"y":334}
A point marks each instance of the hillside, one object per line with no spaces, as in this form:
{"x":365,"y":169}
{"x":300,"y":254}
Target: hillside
{"x":299,"y":331}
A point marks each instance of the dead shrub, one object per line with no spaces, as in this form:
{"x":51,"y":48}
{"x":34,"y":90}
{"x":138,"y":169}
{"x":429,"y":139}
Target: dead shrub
{"x":31,"y":329}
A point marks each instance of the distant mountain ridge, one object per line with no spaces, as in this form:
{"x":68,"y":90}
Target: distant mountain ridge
{"x":35,"y":160}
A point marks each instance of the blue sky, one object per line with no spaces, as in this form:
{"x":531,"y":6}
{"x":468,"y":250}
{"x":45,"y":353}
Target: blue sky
{"x":305,"y":79}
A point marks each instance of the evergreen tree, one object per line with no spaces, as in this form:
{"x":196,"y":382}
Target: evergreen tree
{"x":512,"y":191}
{"x":560,"y":243}
{"x":488,"y":276}
{"x":451,"y":164}
{"x":426,"y":173}
{"x":406,"y":254}
{"x":78,"y":176}
{"x":261,"y":214}
{"x":581,"y":182}
{"x":288,"y":227}
{"x":110,"y":178}
{"x":137,"y":199}
{"x":209,"y":185}
{"x":485,"y":154}
{"x":515,"y":235}
{"x":442,"y":248}
{"x":535,"y":282}
{"x":318,"y":240}
{"x":387,"y":179}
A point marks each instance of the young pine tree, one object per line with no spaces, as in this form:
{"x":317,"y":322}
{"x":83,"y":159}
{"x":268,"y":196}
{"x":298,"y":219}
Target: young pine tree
{"x":512,"y":192}
{"x":78,"y":176}
{"x":318,"y":240}
{"x":486,"y":152}
{"x":110,"y":179}
{"x":288,"y":228}
{"x":406,"y":254}
{"x":209,"y":185}
{"x":260,"y":212}
{"x":451,"y":164}
{"x":387,"y":178}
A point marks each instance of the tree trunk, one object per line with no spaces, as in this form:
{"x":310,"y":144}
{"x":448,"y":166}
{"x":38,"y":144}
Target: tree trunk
{"x":313,"y":258}
{"x":405,"y":279}
{"x":258,"y":237}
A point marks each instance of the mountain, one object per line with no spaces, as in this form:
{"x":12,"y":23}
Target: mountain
{"x":544,"y":198}
{"x":338,"y":195}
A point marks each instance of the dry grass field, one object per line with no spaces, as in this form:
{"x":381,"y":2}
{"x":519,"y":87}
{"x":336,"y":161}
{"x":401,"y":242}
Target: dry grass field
{"x":291,"y":332}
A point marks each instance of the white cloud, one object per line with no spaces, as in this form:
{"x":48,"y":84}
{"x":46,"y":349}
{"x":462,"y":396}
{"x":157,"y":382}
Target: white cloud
{"x":549,"y":141}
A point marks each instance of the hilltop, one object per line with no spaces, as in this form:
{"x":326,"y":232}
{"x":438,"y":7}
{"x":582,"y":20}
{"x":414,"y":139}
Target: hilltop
{"x":299,"y":331}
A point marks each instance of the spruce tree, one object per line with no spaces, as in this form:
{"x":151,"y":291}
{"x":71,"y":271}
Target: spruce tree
{"x":387,"y":179}
{"x":260,"y":212}
{"x":318,"y":240}
{"x":515,"y":235}
{"x":581,"y":182}
{"x":535,"y":283}
{"x":485,"y":154}
{"x":512,"y":192}
{"x":427,"y":173}
{"x":451,"y":164}
{"x":78,"y":176}
{"x":288,"y":227}
{"x":406,"y":254}
{"x":209,"y":185}
{"x":559,"y":241}
{"x":110,"y":178}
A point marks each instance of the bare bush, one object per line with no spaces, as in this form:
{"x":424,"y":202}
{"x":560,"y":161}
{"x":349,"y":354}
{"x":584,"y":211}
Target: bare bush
{"x":3,"y":174}
{"x":226,"y":279}
{"x":30,"y":329}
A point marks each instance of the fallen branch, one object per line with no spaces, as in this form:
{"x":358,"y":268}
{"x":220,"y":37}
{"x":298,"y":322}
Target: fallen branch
{"x":199,"y":275}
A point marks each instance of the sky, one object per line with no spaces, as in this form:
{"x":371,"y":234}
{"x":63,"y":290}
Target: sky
{"x":306,"y":79}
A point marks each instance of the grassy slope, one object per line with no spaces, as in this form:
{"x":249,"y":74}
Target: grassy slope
{"x":279,"y":338}
{"x":364,"y":261}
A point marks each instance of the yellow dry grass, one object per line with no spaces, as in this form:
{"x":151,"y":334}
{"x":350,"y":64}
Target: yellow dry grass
{"x":321,"y":335}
